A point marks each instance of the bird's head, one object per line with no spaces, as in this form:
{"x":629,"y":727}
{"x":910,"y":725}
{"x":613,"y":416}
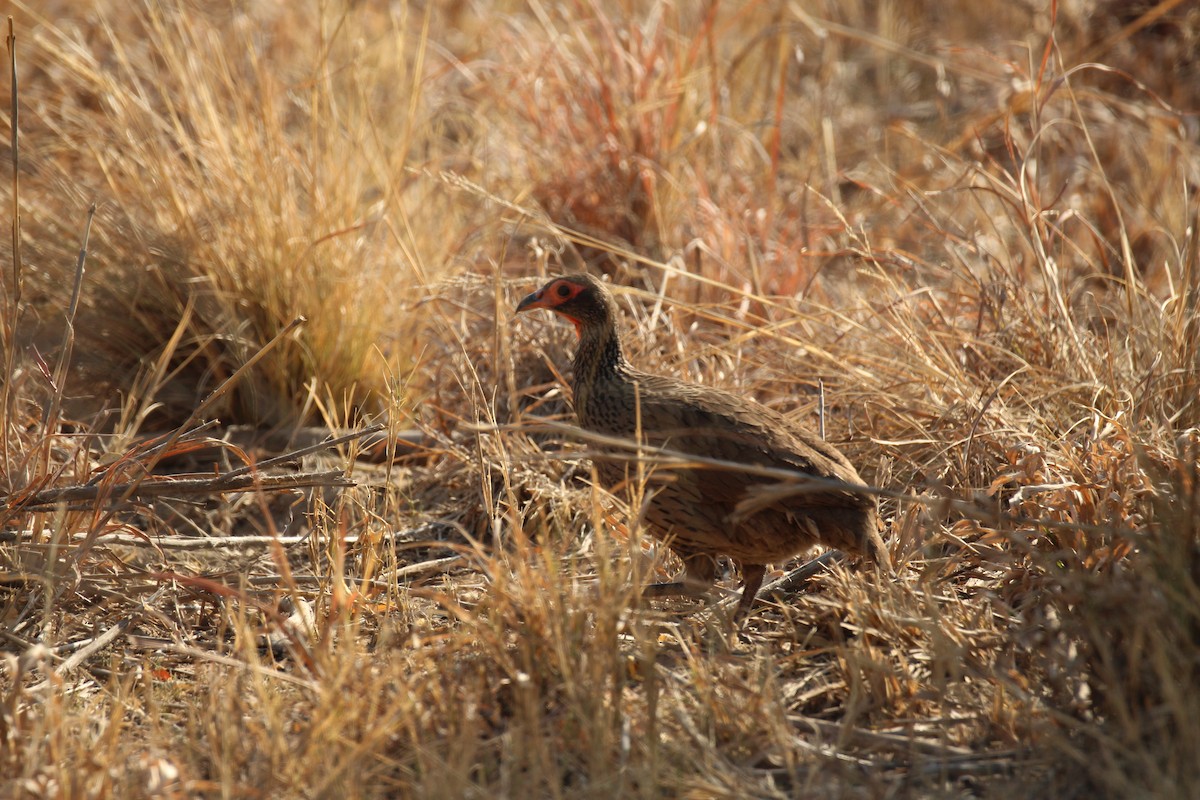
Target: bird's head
{"x":582,"y":299}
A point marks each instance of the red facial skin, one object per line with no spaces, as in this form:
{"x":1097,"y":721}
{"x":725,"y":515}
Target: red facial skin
{"x":552,"y":296}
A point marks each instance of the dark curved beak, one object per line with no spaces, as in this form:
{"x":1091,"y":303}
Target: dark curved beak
{"x":532,"y":301}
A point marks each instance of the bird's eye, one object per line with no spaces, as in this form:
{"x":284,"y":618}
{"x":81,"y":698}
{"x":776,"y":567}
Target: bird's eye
{"x":563,"y":290}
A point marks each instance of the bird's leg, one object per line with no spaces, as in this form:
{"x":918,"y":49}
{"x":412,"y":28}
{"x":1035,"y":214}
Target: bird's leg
{"x":752,"y":578}
{"x":699,"y":574}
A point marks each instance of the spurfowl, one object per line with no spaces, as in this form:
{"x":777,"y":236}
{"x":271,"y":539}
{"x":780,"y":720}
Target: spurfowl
{"x":694,"y":507}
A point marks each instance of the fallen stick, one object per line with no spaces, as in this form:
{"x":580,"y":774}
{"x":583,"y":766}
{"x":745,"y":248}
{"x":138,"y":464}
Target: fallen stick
{"x":160,"y":486}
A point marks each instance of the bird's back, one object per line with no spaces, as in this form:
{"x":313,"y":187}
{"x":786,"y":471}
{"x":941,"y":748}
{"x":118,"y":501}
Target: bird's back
{"x":721,"y":508}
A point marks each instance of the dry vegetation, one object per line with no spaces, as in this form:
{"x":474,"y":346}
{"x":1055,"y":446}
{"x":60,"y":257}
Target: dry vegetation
{"x":974,"y":227}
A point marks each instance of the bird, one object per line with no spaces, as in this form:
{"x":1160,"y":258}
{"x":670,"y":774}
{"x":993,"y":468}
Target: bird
{"x":739,"y":507}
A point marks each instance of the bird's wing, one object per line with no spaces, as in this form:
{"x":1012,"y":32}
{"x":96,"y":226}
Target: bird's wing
{"x":717,"y":425}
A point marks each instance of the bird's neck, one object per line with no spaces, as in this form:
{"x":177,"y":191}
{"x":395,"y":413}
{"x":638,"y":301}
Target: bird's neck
{"x":599,"y":357}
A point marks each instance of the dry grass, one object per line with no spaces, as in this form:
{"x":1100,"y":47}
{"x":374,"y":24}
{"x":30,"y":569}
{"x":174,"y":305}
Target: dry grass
{"x":975,"y":231}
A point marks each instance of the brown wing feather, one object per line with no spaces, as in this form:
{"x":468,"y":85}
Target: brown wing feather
{"x":723,"y":426}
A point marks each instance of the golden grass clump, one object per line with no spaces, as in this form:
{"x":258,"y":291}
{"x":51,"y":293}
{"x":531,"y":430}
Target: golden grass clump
{"x":239,"y":190}
{"x":961,"y":240}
